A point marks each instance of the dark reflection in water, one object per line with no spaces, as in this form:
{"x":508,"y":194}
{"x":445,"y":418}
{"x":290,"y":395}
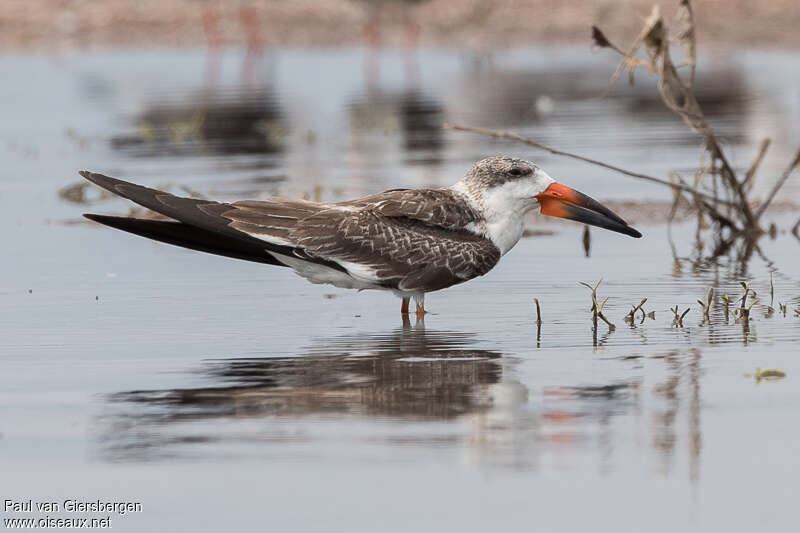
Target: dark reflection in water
{"x":421,"y":119}
{"x":509,"y":97}
{"x":722,"y":93}
{"x":241,"y":121}
{"x":408,"y":374}
{"x":417,"y":116}
{"x":411,"y":374}
{"x":394,"y":124}
{"x":433,"y":388}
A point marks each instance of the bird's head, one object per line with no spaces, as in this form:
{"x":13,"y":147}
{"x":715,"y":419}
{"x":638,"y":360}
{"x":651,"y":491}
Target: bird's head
{"x":506,"y":186}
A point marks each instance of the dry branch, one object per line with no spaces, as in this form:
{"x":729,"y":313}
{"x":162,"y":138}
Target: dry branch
{"x":555,"y":151}
{"x":747,"y":182}
{"x":785,"y":176}
{"x":677,"y":95}
{"x":727,"y":206}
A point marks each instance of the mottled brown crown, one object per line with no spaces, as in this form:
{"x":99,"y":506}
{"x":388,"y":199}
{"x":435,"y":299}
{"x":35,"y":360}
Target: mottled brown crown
{"x":498,"y":170}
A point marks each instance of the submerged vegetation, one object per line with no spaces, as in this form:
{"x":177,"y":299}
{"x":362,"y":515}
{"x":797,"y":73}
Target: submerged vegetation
{"x":740,"y":313}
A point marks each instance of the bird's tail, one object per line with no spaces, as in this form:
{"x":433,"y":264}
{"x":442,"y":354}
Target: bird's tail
{"x":186,"y":236}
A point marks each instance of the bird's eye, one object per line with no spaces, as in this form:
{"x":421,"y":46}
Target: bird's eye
{"x":515,"y":172}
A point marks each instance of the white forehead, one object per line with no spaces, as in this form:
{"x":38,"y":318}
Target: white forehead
{"x":523,"y":188}
{"x":514,"y":198}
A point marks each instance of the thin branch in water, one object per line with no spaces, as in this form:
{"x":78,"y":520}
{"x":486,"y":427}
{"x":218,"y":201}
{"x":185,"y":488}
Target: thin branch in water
{"x":747,"y":182}
{"x":687,"y":36}
{"x":785,"y":176}
{"x":678,"y":95}
{"x":530,"y":142}
{"x":771,"y":289}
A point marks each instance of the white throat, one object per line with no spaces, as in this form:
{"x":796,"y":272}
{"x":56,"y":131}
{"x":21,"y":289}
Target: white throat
{"x":503,"y":209}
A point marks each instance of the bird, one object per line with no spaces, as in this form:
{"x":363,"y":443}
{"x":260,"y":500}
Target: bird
{"x":406,"y":241}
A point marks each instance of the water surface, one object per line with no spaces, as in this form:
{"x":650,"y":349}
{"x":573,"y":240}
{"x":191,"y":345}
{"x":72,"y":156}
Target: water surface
{"x":222,"y":394}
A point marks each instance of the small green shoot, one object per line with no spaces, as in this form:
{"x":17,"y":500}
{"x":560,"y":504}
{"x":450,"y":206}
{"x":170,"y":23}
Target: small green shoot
{"x":631,"y":316}
{"x":597,"y":308}
{"x":677,"y":321}
{"x":706,"y":306}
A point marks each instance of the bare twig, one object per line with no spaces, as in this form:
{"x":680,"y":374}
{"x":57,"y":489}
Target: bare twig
{"x":785,"y":176}
{"x":687,"y":37}
{"x":538,"y":312}
{"x":678,"y":94}
{"x":530,"y":142}
{"x":771,"y":289}
{"x":747,"y":182}
{"x":726,"y":203}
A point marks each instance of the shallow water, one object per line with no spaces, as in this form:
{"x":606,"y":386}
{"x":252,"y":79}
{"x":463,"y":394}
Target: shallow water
{"x":222,"y":394}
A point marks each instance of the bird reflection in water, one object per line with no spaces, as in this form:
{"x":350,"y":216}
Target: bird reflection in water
{"x":409,"y":374}
{"x":412,"y":389}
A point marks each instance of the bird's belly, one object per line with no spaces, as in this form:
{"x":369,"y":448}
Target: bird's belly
{"x":316,"y":273}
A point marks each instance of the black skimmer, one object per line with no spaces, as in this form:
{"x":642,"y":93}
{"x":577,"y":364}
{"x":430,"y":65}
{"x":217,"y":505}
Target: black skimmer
{"x":408,"y":241}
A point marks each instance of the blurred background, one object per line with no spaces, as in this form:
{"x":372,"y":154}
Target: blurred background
{"x":463,"y":24}
{"x":222,"y":394}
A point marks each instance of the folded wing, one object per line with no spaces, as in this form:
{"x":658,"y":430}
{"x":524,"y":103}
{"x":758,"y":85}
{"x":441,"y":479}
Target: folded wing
{"x":413,"y":240}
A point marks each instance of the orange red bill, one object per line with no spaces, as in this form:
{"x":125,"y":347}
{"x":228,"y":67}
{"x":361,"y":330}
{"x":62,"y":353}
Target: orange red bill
{"x":564,"y":202}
